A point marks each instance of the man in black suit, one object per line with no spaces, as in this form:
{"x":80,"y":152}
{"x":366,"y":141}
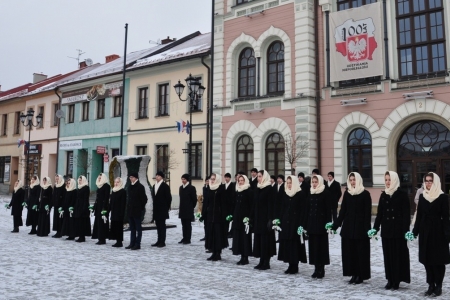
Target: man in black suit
{"x":162,"y":199}
{"x":254,"y":179}
{"x":205,"y":190}
{"x":336,"y":192}
{"x":304,"y":185}
{"x":188,"y":200}
{"x":230,"y":190}
{"x":135,"y":209}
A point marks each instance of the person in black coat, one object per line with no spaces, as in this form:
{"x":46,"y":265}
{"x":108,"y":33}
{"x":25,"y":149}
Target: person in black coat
{"x":205,"y":191}
{"x":68,"y":223}
{"x":101,"y":210}
{"x":229,"y":191}
{"x":162,"y":200}
{"x":242,"y":237}
{"x":264,"y":246}
{"x":336,"y":192}
{"x":59,"y":192}
{"x":433,"y":228}
{"x":304,"y":185}
{"x":292,"y":215}
{"x":318,"y":208}
{"x":33,"y":204}
{"x":279,"y":192}
{"x":254,"y":179}
{"x":137,"y":199}
{"x":394,"y":217}
{"x":356,"y":214}
{"x":16,"y":205}
{"x":81,"y":213}
{"x":45,"y":205}
{"x":188,"y":200}
{"x":117,"y":204}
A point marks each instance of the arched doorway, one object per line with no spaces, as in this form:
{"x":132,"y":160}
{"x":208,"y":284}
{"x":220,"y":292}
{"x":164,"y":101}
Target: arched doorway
{"x":275,"y":154}
{"x":423,"y":147}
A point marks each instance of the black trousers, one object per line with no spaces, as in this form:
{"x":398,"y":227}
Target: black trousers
{"x":161,"y":229}
{"x":435,"y":274}
{"x":187,"y":229}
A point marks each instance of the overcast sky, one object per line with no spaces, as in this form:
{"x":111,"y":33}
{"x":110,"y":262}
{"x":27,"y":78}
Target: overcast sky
{"x":38,"y":36}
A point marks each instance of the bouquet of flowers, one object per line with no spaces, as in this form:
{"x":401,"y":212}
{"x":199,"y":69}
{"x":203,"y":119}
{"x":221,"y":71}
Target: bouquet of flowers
{"x":276,"y":225}
{"x":104,"y":217}
{"x":330,"y":231}
{"x":61,"y":212}
{"x":301,"y":231}
{"x":7,"y":206}
{"x":71,"y":211}
{"x":247,"y":224}
{"x":372,"y":234}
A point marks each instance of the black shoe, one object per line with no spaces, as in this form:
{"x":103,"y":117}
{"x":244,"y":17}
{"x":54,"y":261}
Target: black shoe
{"x":294,"y":269}
{"x":181,"y":242}
{"x":240,"y":261}
{"x":289,"y":269}
{"x":352,"y":280}
{"x":15,"y":230}
{"x":217,"y":257}
{"x":117,"y":245}
{"x":244,"y":261}
{"x":80,"y":240}
{"x":358,"y":280}
{"x":258,"y":266}
{"x":155,"y":244}
{"x":438,"y":290}
{"x":396,"y":286}
{"x":100,"y":243}
{"x":129,"y":246}
{"x":186,"y":242}
{"x":202,"y":239}
{"x":208,"y":251}
{"x":70,"y":238}
{"x":321,"y":272}
{"x":430,"y":290}
{"x":57,"y":236}
{"x":136,"y":247}
{"x":161,"y":245}
{"x":211,"y":257}
{"x":32,"y":232}
{"x":266,"y":265}
{"x":388,"y":285}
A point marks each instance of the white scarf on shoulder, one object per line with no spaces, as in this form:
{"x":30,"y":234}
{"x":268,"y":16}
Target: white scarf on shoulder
{"x":265,"y":180}
{"x":320,"y":187}
{"x":295,"y":187}
{"x":246,"y":185}
{"x":395,"y":183}
{"x":214,"y":186}
{"x":435,"y":191}
{"x":359,"y":188}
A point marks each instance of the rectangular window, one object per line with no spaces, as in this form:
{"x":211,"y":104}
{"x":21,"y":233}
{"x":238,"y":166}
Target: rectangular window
{"x":115,"y":152}
{"x":117,"y":106}
{"x":69,"y":164}
{"x":143,"y":103}
{"x":196,"y":160}
{"x":238,"y":2}
{"x":162,"y":158}
{"x":17,"y":122}
{"x":163,"y":99}
{"x":71,"y":113}
{"x":4,"y":124}
{"x":55,"y":121}
{"x":41,"y":112}
{"x":2,"y":168}
{"x":101,"y":109}
{"x":85,"y":111}
{"x":347,"y":4}
{"x":141,"y":150}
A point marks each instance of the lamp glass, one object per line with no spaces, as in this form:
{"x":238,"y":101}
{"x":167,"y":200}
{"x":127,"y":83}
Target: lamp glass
{"x":201,"y":90}
{"x":195,"y":86}
{"x":39,"y":119}
{"x":179,"y":88}
{"x":189,"y":80}
{"x":22,"y":118}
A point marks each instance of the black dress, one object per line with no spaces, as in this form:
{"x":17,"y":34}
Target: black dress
{"x":33,"y":215}
{"x":81,"y":213}
{"x":356,"y":216}
{"x":242,"y":242}
{"x":68,"y":224}
{"x":118,"y":202}
{"x":44,"y":215}
{"x":264,"y":245}
{"x":101,"y":227}
{"x":57,"y":199}
{"x":292,"y":215}
{"x":318,"y":209}
{"x":16,"y":207}
{"x":216,"y":214}
{"x":394,"y":216}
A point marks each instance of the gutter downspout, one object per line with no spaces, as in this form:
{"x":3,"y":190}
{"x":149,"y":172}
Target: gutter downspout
{"x":317,"y":96}
{"x":213,"y":11}
{"x":208,"y":125}
{"x":386,"y":48}
{"x":59,"y":125}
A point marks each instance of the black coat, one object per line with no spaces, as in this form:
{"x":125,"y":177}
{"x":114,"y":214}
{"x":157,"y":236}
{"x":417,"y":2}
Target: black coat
{"x":433,"y":228}
{"x":253,"y":183}
{"x":206,"y":191}
{"x":242,"y":208}
{"x":46,"y":199}
{"x":81,"y":208}
{"x":279,"y":198}
{"x":102,"y":200}
{"x":356,"y":214}
{"x":57,"y":200}
{"x":336,"y":193}
{"x":318,"y":209}
{"x":16,"y":202}
{"x":218,"y":208}
{"x":136,"y":200}
{"x":229,"y":195}
{"x":306,"y":187}
{"x":393,"y":215}
{"x":263,"y":210}
{"x":161,"y":202}
{"x":32,"y":215}
{"x":188,"y":200}
{"x":117,"y":204}
{"x":292,"y":215}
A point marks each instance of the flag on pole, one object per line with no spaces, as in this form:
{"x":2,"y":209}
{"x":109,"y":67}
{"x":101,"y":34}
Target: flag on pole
{"x":188,"y":127}
{"x":178,"y":126}
{"x":20,"y":142}
{"x":181,"y":126}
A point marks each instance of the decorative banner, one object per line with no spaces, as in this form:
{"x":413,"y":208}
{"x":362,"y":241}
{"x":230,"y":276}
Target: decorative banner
{"x":99,"y":91}
{"x":356,"y":43}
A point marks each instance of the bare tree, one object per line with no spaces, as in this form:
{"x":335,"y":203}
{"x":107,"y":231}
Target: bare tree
{"x":167,"y":159}
{"x":295,"y":149}
{"x":84,"y":161}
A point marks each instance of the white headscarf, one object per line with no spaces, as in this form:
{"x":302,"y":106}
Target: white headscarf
{"x":100,"y":182}
{"x":60,"y":181}
{"x":84,"y":182}
{"x":395,"y":183}
{"x":214,"y":186}
{"x":72,"y":185}
{"x":265,"y":180}
{"x":359,"y":188}
{"x":36,"y":182}
{"x":118,"y":188}
{"x":435,"y":190}
{"x":320,"y":187}
{"x":47,"y":184}
{"x":19,"y":186}
{"x":246,"y":185}
{"x":295,"y":186}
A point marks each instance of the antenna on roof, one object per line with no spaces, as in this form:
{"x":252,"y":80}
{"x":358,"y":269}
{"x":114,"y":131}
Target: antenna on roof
{"x":80,"y":52}
{"x":158,"y":42}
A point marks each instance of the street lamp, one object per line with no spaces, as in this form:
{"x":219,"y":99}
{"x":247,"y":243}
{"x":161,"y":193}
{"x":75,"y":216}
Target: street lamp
{"x":27,"y":121}
{"x":195,"y":92}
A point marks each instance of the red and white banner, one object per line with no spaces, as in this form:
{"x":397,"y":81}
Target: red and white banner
{"x":356,"y":43}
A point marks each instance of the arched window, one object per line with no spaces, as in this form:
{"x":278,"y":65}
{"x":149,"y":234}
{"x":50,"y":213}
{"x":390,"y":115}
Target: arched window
{"x":275,"y":68}
{"x":247,"y":73}
{"x":275,"y":154}
{"x":359,"y":148}
{"x":244,"y":154}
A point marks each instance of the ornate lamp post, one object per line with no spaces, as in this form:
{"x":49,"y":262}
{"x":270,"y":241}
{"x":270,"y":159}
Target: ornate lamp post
{"x":195,"y":92}
{"x":27,"y":121}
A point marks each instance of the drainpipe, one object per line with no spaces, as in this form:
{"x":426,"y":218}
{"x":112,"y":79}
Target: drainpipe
{"x":259,"y":74}
{"x":208,"y":125}
{"x":327,"y":30}
{"x":317,"y":94}
{"x":386,"y":48}
{"x":211,"y":87}
{"x":59,"y":125}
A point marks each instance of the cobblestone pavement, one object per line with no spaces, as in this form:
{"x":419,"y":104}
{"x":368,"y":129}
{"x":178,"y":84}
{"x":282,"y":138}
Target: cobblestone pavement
{"x":34,"y":267}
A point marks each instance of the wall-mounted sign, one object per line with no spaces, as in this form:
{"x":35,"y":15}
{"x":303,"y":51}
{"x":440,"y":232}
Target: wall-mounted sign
{"x":98,"y":91}
{"x":105,"y":158}
{"x":101,"y":149}
{"x":34,"y":149}
{"x":71,"y":145}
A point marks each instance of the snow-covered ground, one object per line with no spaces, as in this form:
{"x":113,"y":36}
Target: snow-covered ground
{"x":34,"y":267}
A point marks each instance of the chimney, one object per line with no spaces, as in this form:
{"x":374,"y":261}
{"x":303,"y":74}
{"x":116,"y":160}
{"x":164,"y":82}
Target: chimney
{"x":168,"y":40}
{"x":82,"y":64}
{"x":38,"y":77}
{"x":111,"y":57}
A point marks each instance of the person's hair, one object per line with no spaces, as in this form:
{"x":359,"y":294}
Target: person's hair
{"x":261,"y":172}
{"x":351,"y":175}
{"x":254,"y":170}
{"x":387,"y":173}
{"x":429,"y":175}
{"x":314,"y":176}
{"x":301,"y":174}
{"x":227,"y":175}
{"x":34,"y":177}
{"x":240,"y":176}
{"x":331,"y":173}
{"x":273,"y":177}
{"x":289,"y":178}
{"x":212,"y":174}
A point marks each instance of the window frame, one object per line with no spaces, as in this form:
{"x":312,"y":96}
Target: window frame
{"x":162,"y":153}
{"x":101,"y":104}
{"x":4,"y":127}
{"x":71,"y":113}
{"x":247,"y":67}
{"x":142,"y":103}
{"x":84,"y":111}
{"x":351,"y":3}
{"x":2,"y":168}
{"x":368,"y":182}
{"x":117,"y":111}
{"x":41,"y":111}
{"x":56,"y":107}
{"x":163,"y":100}
{"x":17,"y":123}
{"x":246,"y":153}
{"x":140,"y":149}
{"x":197,"y":160}
{"x":276,"y":63}
{"x":277,"y":151}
